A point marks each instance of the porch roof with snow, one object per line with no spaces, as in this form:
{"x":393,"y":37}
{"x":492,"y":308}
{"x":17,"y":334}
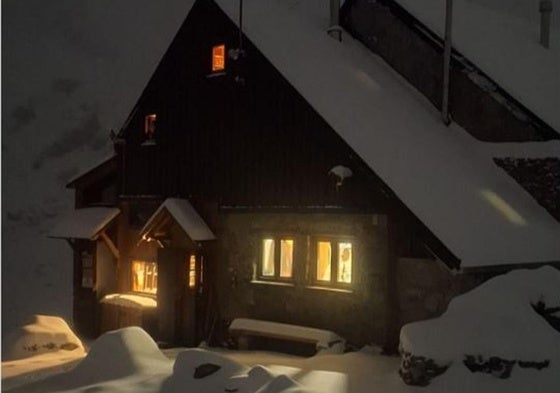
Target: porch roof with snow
{"x":185,"y":215}
{"x":444,"y":176}
{"x":86,"y":223}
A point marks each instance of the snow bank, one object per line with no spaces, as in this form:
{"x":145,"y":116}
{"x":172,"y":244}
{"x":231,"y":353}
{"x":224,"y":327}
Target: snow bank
{"x":45,"y":334}
{"x":130,"y":300}
{"x":495,"y":319}
{"x":199,"y":370}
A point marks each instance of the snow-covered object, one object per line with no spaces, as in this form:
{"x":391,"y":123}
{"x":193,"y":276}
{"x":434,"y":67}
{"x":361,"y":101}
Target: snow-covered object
{"x":505,"y":45}
{"x":84,"y":223}
{"x":230,"y":376}
{"x":482,"y":215}
{"x":496,"y":319}
{"x":341,"y":172}
{"x":186,"y":216}
{"x":45,"y":334}
{"x":122,"y":352}
{"x":326,"y":341}
{"x":130,"y":300}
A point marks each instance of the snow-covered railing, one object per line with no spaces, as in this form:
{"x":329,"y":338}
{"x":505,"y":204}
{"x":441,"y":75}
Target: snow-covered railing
{"x":324,"y":340}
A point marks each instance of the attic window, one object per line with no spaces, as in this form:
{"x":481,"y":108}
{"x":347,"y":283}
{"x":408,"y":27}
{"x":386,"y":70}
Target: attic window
{"x":219,"y":58}
{"x":150,"y":125}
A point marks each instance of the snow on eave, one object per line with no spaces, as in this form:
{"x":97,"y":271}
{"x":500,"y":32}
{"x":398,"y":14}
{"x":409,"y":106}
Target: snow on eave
{"x":72,"y":182}
{"x":478,"y":212}
{"x":86,"y":223}
{"x":186,"y":216}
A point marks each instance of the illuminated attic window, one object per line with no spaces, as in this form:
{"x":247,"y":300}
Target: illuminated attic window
{"x":219,"y":58}
{"x":150,"y":129}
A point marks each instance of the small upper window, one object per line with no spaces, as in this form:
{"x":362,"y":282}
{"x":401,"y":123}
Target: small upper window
{"x":219,"y":58}
{"x":276,"y":264}
{"x":192,"y":271}
{"x":150,"y":125}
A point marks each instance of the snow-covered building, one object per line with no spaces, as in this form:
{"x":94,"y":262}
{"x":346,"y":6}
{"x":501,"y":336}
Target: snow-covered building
{"x":279,"y":173}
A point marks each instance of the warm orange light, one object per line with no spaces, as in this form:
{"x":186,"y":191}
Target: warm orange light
{"x":192,"y":271}
{"x":218,"y":58}
{"x":150,"y":124}
{"x":144,"y":276}
{"x":286,"y":257}
{"x":324,"y":261}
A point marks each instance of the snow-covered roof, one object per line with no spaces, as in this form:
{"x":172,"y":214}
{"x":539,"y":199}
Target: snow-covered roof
{"x":90,"y":169}
{"x":129,"y":300}
{"x":186,"y":216}
{"x":84,"y":223}
{"x":441,"y":173}
{"x":505,"y":45}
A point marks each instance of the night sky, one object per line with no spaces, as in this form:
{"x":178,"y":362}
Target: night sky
{"x":71,"y":72}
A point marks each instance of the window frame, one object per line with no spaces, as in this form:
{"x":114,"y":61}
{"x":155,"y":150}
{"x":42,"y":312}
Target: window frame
{"x":277,"y":258}
{"x":132,"y":277}
{"x":334,"y":242}
{"x":214,"y":68}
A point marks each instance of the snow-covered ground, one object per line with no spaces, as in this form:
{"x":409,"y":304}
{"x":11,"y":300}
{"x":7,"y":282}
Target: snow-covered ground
{"x":497,"y":319}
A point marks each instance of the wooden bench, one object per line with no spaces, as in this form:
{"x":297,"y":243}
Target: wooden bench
{"x":324,"y":340}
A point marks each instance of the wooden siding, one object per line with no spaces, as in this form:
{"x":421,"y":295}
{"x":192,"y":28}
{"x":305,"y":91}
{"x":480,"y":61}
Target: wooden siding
{"x":257,"y":143}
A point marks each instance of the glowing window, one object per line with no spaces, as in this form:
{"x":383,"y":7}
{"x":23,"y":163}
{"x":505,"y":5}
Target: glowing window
{"x":192,"y":271}
{"x":324,"y":261}
{"x":144,"y":276}
{"x":218,"y":58}
{"x":268,"y":258}
{"x":150,"y":125}
{"x":344,"y":265}
{"x":286,"y":257}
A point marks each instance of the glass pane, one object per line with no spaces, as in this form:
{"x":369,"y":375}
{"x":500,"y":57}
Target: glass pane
{"x":192,"y":271}
{"x":219,"y":58}
{"x":286,"y":258}
{"x":344,"y":263}
{"x":324,"y":261}
{"x":144,"y":276}
{"x":268,"y":257}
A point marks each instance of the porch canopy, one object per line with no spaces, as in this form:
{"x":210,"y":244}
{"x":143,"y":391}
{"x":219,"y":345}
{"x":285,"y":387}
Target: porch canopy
{"x":184,"y":214}
{"x":87,"y":223}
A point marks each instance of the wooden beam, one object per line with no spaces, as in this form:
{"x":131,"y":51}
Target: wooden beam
{"x":114,"y":250}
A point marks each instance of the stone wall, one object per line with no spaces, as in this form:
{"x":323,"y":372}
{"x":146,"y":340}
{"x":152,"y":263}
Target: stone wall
{"x":357,"y":313}
{"x":426,"y":287}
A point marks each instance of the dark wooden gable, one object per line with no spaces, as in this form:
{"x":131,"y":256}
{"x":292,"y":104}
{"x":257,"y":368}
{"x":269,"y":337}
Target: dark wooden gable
{"x":257,"y":143}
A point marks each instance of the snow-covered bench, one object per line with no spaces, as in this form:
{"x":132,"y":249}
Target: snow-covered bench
{"x":324,"y":340}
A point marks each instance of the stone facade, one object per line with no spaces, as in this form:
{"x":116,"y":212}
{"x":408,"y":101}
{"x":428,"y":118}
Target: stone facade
{"x":357,"y":312}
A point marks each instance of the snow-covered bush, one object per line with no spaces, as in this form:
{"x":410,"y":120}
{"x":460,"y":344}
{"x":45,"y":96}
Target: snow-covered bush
{"x":44,"y":334}
{"x":493,"y":329}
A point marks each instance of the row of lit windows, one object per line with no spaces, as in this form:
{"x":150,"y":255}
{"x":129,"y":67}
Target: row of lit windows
{"x":333,"y":260}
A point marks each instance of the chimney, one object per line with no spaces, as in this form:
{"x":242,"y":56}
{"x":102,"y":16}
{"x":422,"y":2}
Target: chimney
{"x":545,"y":8}
{"x":334,"y":30}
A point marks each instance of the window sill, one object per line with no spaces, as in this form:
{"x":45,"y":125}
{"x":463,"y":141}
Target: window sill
{"x":273,"y":283}
{"x":330,"y":289}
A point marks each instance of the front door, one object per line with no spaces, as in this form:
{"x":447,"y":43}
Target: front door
{"x":179,"y":287}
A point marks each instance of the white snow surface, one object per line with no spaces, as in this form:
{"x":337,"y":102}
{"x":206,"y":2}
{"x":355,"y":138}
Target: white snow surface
{"x":129,"y":300}
{"x":504,"y":45}
{"x":84,"y":223}
{"x":323,"y":338}
{"x":482,"y":215}
{"x":186,"y":216}
{"x":494,"y":319}
{"x":43,"y":335}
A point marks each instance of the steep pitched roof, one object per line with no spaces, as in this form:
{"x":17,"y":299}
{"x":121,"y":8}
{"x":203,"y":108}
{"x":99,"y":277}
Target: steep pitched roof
{"x":440,"y":173}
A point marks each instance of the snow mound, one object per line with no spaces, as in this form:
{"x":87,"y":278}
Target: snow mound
{"x":44,"y":334}
{"x":496,"y":319}
{"x":130,"y":300}
{"x":223,"y":375}
{"x":123,"y":352}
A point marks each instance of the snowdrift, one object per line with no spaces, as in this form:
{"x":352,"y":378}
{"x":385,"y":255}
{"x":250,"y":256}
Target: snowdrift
{"x":44,"y":334}
{"x":491,"y":329}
